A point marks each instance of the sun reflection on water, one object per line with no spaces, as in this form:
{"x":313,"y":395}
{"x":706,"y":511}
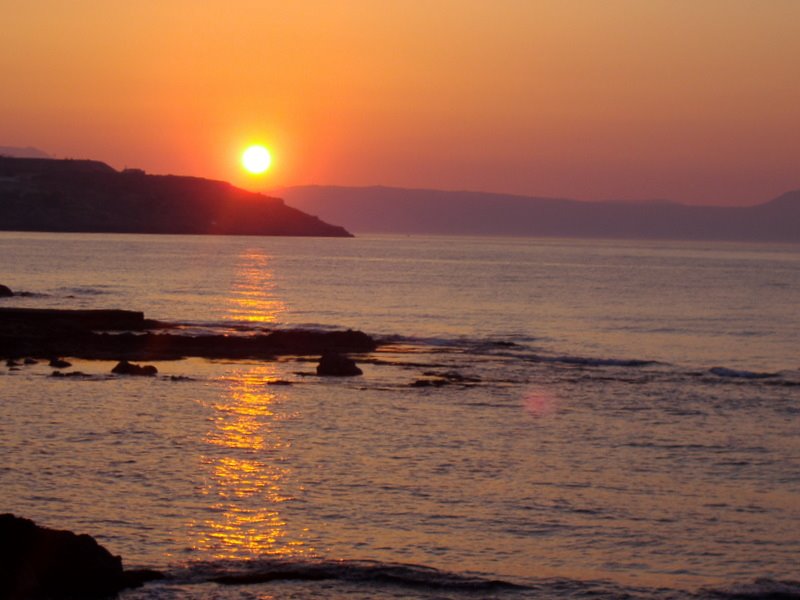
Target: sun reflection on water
{"x":246,"y":478}
{"x":252,"y":299}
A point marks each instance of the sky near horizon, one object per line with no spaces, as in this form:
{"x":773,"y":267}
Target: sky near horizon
{"x":696,"y":101}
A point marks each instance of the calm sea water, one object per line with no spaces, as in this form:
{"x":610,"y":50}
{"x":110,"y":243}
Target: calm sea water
{"x":620,"y":418}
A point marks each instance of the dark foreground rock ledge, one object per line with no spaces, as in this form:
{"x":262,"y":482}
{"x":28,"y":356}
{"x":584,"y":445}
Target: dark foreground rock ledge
{"x":38,"y":563}
{"x":127,"y":335}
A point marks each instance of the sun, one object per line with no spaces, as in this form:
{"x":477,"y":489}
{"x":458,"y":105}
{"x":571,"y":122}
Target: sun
{"x":256,"y":159}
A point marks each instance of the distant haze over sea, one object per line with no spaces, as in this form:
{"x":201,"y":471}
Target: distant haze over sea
{"x":419,"y":211}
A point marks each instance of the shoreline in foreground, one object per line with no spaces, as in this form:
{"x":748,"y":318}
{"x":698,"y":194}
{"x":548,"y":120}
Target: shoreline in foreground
{"x":128,"y":335}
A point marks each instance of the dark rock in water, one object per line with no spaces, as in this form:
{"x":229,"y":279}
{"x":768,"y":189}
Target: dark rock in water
{"x":134,"y":578}
{"x":5,"y":291}
{"x":337,"y":365}
{"x":59,"y":363}
{"x":279,"y":382}
{"x":437,"y":382}
{"x":453,"y":377}
{"x":180,"y":378}
{"x":437,"y":379}
{"x":37,"y":562}
{"x":84,"y":334}
{"x":56,"y":320}
{"x":72,"y":374}
{"x":123,"y":367}
{"x":13,"y":363}
{"x":31,"y":361}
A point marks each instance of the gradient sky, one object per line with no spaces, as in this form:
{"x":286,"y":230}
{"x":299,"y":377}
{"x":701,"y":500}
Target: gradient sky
{"x":692,"y":100}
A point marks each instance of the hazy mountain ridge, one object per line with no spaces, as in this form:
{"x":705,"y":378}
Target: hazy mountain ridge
{"x":418,"y":211}
{"x":39,"y":194}
{"x":26,"y":152}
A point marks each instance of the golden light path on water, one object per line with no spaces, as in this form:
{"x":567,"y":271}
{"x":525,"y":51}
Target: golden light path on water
{"x":245,"y":478}
{"x":251,"y":298}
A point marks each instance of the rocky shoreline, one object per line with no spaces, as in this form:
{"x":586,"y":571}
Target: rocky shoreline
{"x":39,"y":563}
{"x":128,"y":335}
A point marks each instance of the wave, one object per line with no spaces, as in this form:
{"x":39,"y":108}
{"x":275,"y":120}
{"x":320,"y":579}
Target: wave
{"x":245,"y":328}
{"x":26,"y":294}
{"x":523,"y":349}
{"x":760,"y":589}
{"x":372,"y":576}
{"x":594,"y":362}
{"x":515,"y":347}
{"x":365,"y":572}
{"x":740,"y":374}
{"x":72,"y":292}
{"x":477,"y":344}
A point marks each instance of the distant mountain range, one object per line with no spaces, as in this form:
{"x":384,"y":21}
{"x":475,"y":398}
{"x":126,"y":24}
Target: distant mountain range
{"x":43,"y":194}
{"x":40,"y":194}
{"x":413,"y":211}
{"x":27,"y":152}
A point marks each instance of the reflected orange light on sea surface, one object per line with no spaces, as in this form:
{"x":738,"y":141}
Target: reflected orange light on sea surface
{"x":252,"y":300}
{"x":245,"y":480}
{"x":245,"y":473}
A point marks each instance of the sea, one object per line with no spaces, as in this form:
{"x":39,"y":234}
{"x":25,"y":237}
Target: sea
{"x":543,"y":418}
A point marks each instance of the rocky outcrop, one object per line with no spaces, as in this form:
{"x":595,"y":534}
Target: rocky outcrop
{"x":56,"y":319}
{"x":337,"y":365}
{"x":59,"y":363}
{"x":5,"y":291}
{"x":89,"y":196}
{"x":84,"y":334}
{"x":123,"y":367}
{"x":38,"y":563}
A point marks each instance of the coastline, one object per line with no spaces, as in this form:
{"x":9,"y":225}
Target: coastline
{"x":124,"y":334}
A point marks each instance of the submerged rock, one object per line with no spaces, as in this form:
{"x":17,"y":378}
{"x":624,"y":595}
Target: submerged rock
{"x":337,"y":365}
{"x":72,"y":374}
{"x":5,"y":291}
{"x":436,"y":382}
{"x":123,"y":367}
{"x":59,"y":363}
{"x":453,"y":377}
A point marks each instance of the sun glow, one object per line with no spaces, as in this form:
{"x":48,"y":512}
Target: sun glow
{"x":256,"y":159}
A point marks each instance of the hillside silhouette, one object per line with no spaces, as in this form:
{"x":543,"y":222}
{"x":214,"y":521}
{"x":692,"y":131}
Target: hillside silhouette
{"x":39,"y":194}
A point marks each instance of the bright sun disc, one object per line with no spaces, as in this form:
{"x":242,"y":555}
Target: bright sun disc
{"x":256,"y":159}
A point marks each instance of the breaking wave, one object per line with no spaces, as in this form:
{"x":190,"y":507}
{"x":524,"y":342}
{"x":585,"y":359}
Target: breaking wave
{"x":365,"y":572}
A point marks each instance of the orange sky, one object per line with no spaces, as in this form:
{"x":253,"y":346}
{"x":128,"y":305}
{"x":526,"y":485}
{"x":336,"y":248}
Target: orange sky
{"x":693,"y":100}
